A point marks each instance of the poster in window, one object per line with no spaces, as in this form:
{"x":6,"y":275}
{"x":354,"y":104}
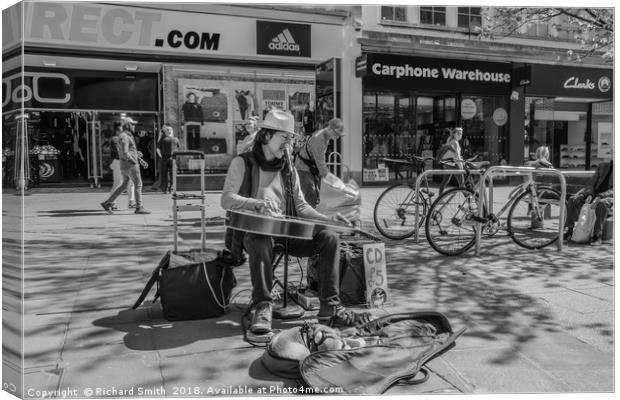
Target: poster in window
{"x":272,"y":97}
{"x":206,"y":112}
{"x":245,"y":102}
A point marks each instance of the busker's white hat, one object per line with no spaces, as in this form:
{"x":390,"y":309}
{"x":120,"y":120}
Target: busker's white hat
{"x":280,"y":121}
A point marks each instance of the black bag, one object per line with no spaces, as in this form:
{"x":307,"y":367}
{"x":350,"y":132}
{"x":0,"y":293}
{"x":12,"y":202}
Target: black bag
{"x":352,"y":275}
{"x":191,"y":288}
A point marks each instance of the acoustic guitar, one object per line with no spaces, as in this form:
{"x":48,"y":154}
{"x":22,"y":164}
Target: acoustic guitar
{"x":290,"y":227}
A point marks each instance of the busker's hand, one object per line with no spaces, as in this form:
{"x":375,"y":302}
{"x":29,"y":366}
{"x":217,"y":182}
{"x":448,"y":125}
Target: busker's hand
{"x":341,"y":218}
{"x":144,"y":164}
{"x":268,"y":206}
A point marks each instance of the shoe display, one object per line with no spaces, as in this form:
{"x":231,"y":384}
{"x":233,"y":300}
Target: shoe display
{"x":108,"y":207}
{"x":261,"y":320}
{"x":142,"y":210}
{"x":132,"y":204}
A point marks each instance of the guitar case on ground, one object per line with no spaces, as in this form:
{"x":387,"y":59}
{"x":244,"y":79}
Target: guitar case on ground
{"x":365,"y":360}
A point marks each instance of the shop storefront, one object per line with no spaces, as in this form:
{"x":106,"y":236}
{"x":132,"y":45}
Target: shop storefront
{"x":570,"y":110}
{"x":409,"y":104}
{"x":203,"y":70}
{"x":67,"y":124}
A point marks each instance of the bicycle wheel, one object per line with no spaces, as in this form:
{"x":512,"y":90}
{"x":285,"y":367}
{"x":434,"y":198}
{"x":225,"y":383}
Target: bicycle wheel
{"x":449,"y":225}
{"x":394,"y":212}
{"x":535,"y":228}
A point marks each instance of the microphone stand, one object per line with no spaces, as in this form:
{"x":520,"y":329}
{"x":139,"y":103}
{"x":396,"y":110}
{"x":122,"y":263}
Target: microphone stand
{"x":288,"y":311}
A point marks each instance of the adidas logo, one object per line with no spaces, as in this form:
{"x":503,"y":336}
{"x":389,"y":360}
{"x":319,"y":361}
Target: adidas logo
{"x":284,"y":41}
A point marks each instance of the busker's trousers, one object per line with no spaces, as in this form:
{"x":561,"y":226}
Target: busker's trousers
{"x":260,"y":253}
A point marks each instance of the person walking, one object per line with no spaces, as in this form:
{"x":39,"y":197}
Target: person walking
{"x":167,"y":145}
{"x":115,"y":166}
{"x":129,"y":165}
{"x":310,"y":162}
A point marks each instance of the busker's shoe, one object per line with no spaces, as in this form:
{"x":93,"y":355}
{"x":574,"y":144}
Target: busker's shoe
{"x":567,"y":235}
{"x":132,"y":204}
{"x":596,"y":241}
{"x":261,"y":320}
{"x":343,"y":318}
{"x":141,"y":210}
{"x":108,"y":207}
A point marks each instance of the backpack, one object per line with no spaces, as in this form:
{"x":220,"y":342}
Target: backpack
{"x":314,"y":169}
{"x":443,"y":150}
{"x":368,"y":359}
{"x":585,"y":224}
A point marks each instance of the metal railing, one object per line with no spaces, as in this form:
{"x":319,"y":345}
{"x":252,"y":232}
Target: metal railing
{"x":505,"y":170}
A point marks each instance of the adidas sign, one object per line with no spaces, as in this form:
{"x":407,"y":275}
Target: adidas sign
{"x":284,"y":42}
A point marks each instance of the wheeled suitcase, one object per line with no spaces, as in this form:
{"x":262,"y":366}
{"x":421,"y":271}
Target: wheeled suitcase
{"x":192,"y":284}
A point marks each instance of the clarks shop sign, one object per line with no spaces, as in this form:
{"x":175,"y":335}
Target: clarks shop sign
{"x":551,"y":80}
{"x":391,"y":71}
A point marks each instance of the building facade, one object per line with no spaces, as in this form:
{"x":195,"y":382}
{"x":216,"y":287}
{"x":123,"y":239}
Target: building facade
{"x":398,"y":76}
{"x":423,"y":69}
{"x":204,"y":69}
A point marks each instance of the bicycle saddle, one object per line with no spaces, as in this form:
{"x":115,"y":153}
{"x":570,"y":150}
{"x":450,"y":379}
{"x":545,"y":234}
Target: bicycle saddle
{"x":422,"y":159}
{"x":478,"y":164}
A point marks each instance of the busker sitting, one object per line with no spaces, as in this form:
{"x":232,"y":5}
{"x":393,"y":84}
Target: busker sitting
{"x":601,"y":190}
{"x":259,"y":181}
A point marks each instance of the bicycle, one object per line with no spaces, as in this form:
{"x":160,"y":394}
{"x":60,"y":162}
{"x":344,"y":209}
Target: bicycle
{"x":532,"y":222}
{"x":394,"y":211}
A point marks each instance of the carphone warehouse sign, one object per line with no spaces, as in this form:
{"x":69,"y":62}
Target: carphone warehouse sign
{"x":391,"y":71}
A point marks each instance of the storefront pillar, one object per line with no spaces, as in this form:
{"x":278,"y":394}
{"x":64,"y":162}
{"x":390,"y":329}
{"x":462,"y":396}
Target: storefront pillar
{"x":516,"y":136}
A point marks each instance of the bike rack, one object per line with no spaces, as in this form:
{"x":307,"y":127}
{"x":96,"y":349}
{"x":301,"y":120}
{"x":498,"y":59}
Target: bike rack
{"x":490,"y":184}
{"x":417,"y":191}
{"x":506,"y":170}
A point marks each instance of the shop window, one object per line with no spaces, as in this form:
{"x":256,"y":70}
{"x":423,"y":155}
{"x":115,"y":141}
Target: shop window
{"x":389,"y":134}
{"x":485,"y":123}
{"x":433,"y":15}
{"x":389,"y":13}
{"x":563,"y":126}
{"x":469,"y":17}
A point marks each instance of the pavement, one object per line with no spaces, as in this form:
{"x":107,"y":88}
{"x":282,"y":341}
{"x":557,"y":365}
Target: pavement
{"x":537,"y":321}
